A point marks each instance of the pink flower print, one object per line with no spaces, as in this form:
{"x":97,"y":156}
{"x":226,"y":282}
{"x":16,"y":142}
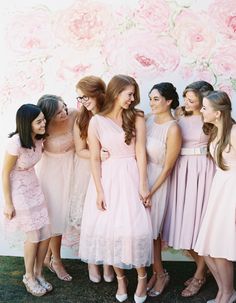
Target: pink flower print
{"x":30,"y":32}
{"x":83,"y":24}
{"x":226,"y":87}
{"x":153,"y":15}
{"x":194,"y":35}
{"x":224,"y":15}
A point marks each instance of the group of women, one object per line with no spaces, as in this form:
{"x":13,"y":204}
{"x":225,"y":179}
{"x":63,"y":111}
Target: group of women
{"x":126,"y":182}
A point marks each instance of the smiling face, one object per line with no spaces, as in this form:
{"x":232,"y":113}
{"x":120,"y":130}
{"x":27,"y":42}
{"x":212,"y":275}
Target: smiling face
{"x":61,"y":113}
{"x":89,"y":103}
{"x":209,"y":114}
{"x":158,"y":103}
{"x":38,"y":125}
{"x":126,"y":97}
{"x":192,"y":102}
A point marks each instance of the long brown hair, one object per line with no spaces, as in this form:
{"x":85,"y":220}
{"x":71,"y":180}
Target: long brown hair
{"x":93,"y":87}
{"x":116,"y":86}
{"x":220,"y":101}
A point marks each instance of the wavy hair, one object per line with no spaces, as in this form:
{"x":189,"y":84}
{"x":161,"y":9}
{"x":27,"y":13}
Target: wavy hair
{"x":116,"y":86}
{"x":220,"y":101}
{"x":93,"y":87}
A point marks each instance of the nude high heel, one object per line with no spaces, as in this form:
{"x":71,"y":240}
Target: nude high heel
{"x":166,"y":280}
{"x":123,"y":297}
{"x":233,"y":297}
{"x":138,"y":299}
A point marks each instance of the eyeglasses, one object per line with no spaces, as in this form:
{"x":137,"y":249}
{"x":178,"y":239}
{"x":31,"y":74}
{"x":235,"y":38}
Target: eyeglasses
{"x":82,"y":99}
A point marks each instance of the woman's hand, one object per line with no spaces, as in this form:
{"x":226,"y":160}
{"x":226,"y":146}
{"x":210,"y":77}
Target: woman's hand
{"x":9,"y":211}
{"x":145,"y":197}
{"x":104,"y":154}
{"x":101,"y":204}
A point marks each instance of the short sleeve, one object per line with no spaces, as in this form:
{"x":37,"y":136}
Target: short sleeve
{"x":13,"y":145}
{"x":93,"y":127}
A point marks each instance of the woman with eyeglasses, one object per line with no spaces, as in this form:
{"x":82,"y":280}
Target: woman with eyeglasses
{"x":91,"y":98}
{"x":55,"y":172}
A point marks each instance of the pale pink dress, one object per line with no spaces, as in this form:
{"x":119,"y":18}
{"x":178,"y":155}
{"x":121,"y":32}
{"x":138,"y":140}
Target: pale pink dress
{"x":156,"y":151}
{"x":190,"y":184}
{"x":27,"y":197}
{"x":122,"y":234}
{"x":217,"y":236}
{"x":55,"y":172}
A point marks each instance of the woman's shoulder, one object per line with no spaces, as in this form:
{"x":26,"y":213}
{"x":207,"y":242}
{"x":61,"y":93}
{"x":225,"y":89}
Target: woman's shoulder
{"x":179,"y":112}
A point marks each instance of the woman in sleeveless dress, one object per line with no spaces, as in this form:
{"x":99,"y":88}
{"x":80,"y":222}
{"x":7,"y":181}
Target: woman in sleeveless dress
{"x":118,"y":231}
{"x":91,"y":97}
{"x":190,"y":184}
{"x":217,"y":237}
{"x":25,"y":207}
{"x":55,"y":172}
{"x":163,"y":147}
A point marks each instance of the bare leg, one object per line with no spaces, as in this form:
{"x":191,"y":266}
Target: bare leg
{"x":108,"y":273}
{"x":94,"y":273}
{"x":200,"y":272}
{"x":30,"y":251}
{"x":55,"y":245}
{"x":122,"y":282}
{"x":40,"y":256}
{"x":141,"y":289}
{"x":226,"y":273}
{"x":212,"y":266}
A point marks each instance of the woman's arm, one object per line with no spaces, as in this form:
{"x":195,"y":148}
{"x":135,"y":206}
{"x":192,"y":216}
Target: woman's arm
{"x":95,"y":149}
{"x":81,"y":146}
{"x":8,"y":164}
{"x":173,"y":146}
{"x":140,"y":151}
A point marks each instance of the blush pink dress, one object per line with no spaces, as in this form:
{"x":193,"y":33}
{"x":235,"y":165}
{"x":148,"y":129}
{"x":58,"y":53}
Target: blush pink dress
{"x":217,"y":236}
{"x":156,"y":151}
{"x":122,"y":234}
{"x":55,"y":172}
{"x":190,"y":184}
{"x":27,"y":197}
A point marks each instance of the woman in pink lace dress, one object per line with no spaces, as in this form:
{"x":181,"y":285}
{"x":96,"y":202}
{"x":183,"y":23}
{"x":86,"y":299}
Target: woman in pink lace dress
{"x":25,"y":206}
{"x":55,"y":172}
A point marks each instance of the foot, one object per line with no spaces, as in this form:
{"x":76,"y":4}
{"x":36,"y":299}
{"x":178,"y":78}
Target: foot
{"x":194,"y":287}
{"x":152,"y":281}
{"x":33,"y":287}
{"x":94,"y":274}
{"x":187,"y":282}
{"x":108,"y":273}
{"x":57,"y":267}
{"x":228,"y":298}
{"x":162,"y":281}
{"x":121,"y":294}
{"x":46,"y":285}
{"x":141,"y":290}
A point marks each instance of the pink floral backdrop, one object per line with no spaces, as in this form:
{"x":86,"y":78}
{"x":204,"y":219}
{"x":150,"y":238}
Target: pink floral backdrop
{"x":47,"y":46}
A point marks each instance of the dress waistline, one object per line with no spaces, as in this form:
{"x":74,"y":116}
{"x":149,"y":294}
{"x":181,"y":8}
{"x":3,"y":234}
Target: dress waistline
{"x":193,"y":151}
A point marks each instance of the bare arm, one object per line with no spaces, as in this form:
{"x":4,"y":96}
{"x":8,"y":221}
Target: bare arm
{"x":95,"y":148}
{"x":173,"y":146}
{"x":140,"y":150}
{"x":81,"y":147}
{"x":8,"y":164}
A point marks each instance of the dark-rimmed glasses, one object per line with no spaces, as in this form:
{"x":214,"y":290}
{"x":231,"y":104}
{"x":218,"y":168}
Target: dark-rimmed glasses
{"x":82,"y":99}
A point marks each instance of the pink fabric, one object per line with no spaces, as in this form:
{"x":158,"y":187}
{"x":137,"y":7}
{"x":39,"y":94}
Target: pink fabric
{"x":28,"y":199}
{"x":190,"y":184}
{"x":121,"y":235}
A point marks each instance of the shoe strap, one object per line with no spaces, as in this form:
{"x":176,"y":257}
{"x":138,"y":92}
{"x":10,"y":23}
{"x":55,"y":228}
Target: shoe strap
{"x":142,"y":277}
{"x":120,"y":278}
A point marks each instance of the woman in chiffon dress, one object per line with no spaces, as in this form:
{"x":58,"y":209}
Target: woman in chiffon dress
{"x":217,"y":237}
{"x":116,"y":227}
{"x":25,"y":207}
{"x":55,"y":171}
{"x":91,"y":98}
{"x":163,"y":147}
{"x":190,"y":184}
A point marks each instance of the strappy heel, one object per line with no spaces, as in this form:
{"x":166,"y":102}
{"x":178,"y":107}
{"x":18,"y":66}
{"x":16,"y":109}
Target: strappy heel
{"x":233,"y":298}
{"x":166,"y":279}
{"x":194,"y":287}
{"x":153,"y":277}
{"x":33,"y":287}
{"x":45,"y":284}
{"x":138,"y":299}
{"x":123,"y":297}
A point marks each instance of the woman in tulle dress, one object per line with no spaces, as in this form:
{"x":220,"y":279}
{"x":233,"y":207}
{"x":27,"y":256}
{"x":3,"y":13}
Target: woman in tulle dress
{"x":91,"y":97}
{"x":217,"y":237}
{"x":25,"y":207}
{"x":116,"y":227}
{"x":55,"y":172}
{"x":163,"y":147}
{"x":190,"y":183}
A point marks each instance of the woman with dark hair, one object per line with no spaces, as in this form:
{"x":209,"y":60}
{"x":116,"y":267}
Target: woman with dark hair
{"x":190,"y":183}
{"x":217,"y":237}
{"x":91,"y":97}
{"x":118,"y":232}
{"x":55,"y":172}
{"x":163,"y":147}
{"x":25,"y":205}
